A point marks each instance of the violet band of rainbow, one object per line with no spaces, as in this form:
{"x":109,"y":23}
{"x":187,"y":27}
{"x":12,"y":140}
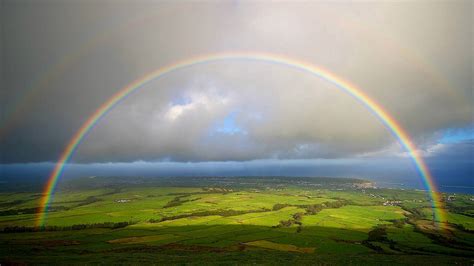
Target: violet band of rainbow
{"x":390,"y":122}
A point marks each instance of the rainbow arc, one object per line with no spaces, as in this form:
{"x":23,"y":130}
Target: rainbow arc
{"x":389,"y":121}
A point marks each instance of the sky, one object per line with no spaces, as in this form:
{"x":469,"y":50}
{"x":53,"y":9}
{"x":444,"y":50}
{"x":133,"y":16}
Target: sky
{"x":61,"y":60}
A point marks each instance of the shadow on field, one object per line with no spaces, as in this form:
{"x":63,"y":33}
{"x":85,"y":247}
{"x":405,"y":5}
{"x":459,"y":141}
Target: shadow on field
{"x":153,"y":242}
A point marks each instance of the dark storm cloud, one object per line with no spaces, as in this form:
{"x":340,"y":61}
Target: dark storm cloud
{"x":450,"y":165}
{"x":413,"y":58}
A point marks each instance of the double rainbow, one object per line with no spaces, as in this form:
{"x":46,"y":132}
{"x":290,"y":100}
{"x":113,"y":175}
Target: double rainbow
{"x":393,"y":126}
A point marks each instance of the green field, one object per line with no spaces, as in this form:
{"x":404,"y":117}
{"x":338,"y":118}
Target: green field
{"x":269,"y":222}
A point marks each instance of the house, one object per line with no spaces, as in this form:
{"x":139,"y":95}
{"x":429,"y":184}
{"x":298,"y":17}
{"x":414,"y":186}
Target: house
{"x":122,"y":200}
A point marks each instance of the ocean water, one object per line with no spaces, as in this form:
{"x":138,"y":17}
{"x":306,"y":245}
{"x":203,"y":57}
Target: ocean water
{"x":417,"y":184}
{"x":447,"y":180}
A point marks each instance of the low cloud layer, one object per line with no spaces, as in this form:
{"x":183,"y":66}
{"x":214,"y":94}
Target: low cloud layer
{"x":451,"y":166}
{"x":415,"y":59}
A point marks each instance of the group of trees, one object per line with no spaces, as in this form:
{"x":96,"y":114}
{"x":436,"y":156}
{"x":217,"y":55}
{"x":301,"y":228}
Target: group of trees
{"x":379,"y":234}
{"x":178,"y":201}
{"x":296,"y":219}
{"x":88,"y":200}
{"x":399,"y":223}
{"x":31,"y":210}
{"x":463,"y":228}
{"x":11,"y":203}
{"x":461,"y":208}
{"x":280,"y":206}
{"x":310,"y":210}
{"x":110,"y":225}
{"x":315,"y":208}
{"x":224,"y":213}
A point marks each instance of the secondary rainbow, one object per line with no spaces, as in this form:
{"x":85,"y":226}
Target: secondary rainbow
{"x":390,"y":122}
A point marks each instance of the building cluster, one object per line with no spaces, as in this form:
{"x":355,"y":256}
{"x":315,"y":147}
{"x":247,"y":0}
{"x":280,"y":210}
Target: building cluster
{"x":364,"y":185}
{"x":392,"y":203}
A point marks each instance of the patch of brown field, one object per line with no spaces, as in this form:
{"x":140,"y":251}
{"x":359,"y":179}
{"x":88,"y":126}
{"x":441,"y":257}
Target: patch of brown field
{"x":429,"y":227}
{"x":277,"y":246}
{"x":139,"y":239}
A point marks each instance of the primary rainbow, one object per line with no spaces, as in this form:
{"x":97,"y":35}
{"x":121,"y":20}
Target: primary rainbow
{"x":359,"y":95}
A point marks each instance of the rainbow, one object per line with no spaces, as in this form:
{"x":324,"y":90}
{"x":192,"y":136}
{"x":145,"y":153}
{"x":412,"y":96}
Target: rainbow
{"x":394,"y":127}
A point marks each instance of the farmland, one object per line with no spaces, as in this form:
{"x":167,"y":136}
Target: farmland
{"x":234,"y":220}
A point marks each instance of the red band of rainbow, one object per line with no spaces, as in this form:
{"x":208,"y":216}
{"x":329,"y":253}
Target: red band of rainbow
{"x":390,"y":122}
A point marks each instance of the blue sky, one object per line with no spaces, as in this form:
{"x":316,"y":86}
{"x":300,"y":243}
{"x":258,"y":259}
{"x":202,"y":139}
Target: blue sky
{"x":228,"y":125}
{"x":457,"y":135}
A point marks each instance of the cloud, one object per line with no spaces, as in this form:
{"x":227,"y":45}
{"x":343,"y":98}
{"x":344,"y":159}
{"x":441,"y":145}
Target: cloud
{"x":450,"y":166}
{"x":415,"y":59}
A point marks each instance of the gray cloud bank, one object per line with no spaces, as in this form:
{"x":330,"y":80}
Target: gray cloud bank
{"x":451,"y":166}
{"x":415,"y":59}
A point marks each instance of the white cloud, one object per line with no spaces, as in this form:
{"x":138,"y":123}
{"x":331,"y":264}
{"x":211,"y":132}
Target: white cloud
{"x":206,"y":100}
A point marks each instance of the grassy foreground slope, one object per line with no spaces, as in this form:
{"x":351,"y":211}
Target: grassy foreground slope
{"x":234,"y":220}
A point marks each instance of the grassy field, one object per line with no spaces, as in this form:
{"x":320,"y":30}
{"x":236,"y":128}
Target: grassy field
{"x":264,"y":224}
